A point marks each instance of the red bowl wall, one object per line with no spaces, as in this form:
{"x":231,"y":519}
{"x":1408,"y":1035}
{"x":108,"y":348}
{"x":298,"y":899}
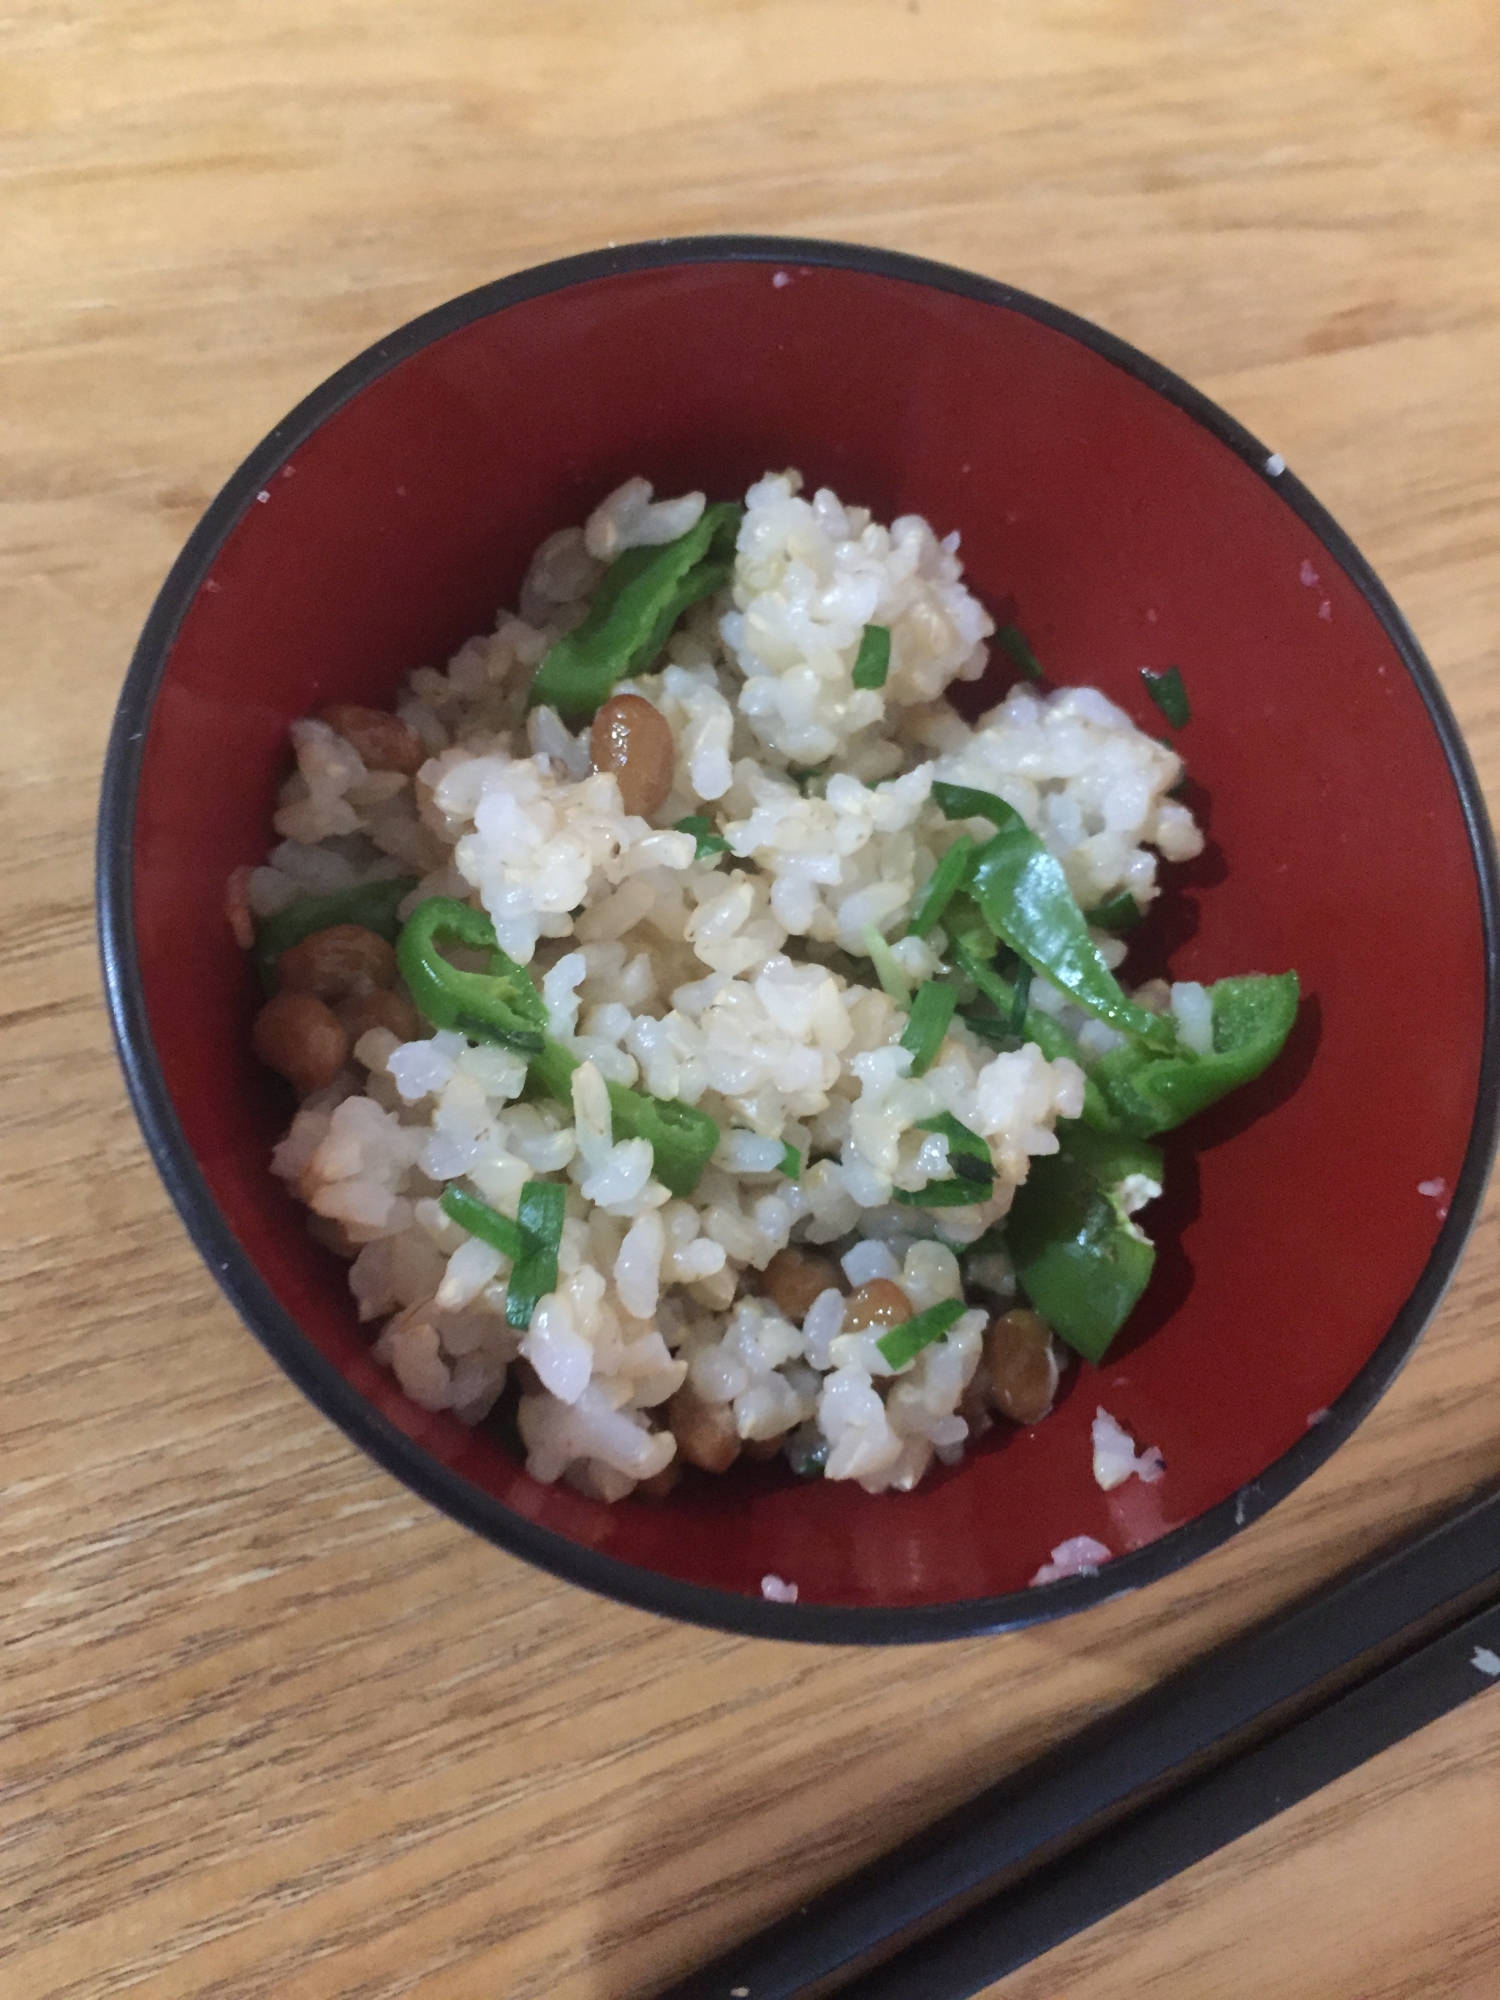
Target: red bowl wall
{"x":1127,"y":535}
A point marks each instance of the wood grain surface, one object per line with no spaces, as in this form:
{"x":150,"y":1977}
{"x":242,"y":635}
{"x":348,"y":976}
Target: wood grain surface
{"x":269,"y":1726}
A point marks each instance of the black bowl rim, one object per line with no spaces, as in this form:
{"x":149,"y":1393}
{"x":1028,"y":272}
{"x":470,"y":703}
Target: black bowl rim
{"x":328,"y":1389}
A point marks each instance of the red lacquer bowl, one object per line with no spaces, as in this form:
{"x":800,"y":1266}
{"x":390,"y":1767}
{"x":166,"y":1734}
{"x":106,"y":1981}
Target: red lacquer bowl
{"x":1124,"y":522}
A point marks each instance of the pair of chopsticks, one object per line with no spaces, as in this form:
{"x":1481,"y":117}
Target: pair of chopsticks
{"x":1209,"y":1754}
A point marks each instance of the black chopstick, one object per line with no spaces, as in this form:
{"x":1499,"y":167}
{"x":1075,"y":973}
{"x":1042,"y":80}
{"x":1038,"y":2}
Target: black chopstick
{"x":1021,"y":1867}
{"x":1149,"y":1847}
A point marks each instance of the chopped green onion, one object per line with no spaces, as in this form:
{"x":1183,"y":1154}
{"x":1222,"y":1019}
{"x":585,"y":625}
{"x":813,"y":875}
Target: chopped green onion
{"x":487,"y":1223}
{"x":942,"y":1194}
{"x":931,"y":1012}
{"x":530,"y":1242}
{"x":1020,"y":1005}
{"x":905,"y":1342}
{"x":372,"y":905}
{"x":968,"y":1156}
{"x":540,"y":1216}
{"x":791,"y":1162}
{"x":1169,"y":694}
{"x":887,"y":971}
{"x":1120,"y":912}
{"x":873,"y":661}
{"x":702,"y":829}
{"x":962,"y":1145}
{"x":991,"y":1028}
{"x":942,"y":886}
{"x":639,"y":599}
{"x":1013,"y":639}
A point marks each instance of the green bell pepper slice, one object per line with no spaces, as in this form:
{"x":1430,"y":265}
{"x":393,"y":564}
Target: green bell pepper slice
{"x":1023,"y":895}
{"x":681,"y":1137}
{"x":1078,"y":1256}
{"x":639,"y":599}
{"x":1146,"y":1093}
{"x":501,"y":1005}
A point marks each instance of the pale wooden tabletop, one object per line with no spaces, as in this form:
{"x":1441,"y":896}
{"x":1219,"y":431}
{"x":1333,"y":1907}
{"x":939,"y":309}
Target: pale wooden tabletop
{"x":269,"y":1725}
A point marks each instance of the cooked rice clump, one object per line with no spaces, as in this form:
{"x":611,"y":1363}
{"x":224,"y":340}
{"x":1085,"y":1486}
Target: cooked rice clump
{"x":741,"y":983}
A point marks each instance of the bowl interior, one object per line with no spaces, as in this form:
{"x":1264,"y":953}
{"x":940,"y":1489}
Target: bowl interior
{"x":1120,"y":533}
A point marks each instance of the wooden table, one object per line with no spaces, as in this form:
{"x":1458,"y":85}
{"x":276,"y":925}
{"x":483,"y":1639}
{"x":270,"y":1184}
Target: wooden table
{"x":269,"y":1726}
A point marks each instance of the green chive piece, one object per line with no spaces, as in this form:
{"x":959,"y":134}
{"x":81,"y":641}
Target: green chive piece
{"x":701,"y":827}
{"x":1169,"y":694}
{"x":942,"y":886}
{"x":540,"y":1216}
{"x":1120,"y":912}
{"x":873,"y":661}
{"x":905,"y":1342}
{"x":956,"y":1193}
{"x":968,"y":1156}
{"x":487,"y":1223}
{"x":1020,"y":1005}
{"x":931,"y":1012}
{"x":991,"y":1028}
{"x":1013,"y":639}
{"x":530,"y":1242}
{"x":791,"y":1162}
{"x":887,"y":971}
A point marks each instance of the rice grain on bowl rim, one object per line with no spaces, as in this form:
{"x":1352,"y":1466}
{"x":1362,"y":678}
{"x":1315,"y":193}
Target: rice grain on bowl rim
{"x":743,"y":948}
